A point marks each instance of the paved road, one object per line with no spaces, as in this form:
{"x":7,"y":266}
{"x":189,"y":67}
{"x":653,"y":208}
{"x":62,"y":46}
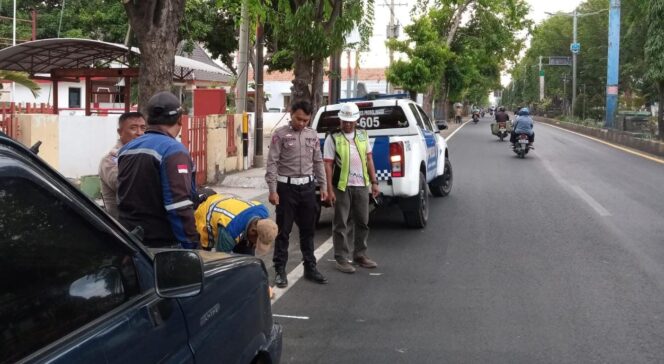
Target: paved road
{"x":557,"y":258}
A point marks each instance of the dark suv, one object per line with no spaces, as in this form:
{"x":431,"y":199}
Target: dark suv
{"x":79,"y":288}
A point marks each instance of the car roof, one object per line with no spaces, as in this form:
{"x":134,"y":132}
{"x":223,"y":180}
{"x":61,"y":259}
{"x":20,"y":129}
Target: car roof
{"x":375,"y":103}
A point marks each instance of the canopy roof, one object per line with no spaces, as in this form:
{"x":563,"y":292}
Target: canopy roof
{"x":46,"y":55}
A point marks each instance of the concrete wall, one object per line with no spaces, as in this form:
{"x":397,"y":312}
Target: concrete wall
{"x":32,"y":128}
{"x":610,"y":135}
{"x":218,"y":161}
{"x":278,"y":89}
{"x":84,"y":140}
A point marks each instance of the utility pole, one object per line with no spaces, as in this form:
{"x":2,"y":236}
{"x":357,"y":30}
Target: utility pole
{"x":243,"y":64}
{"x":574,"y":65}
{"x":613,"y":64}
{"x":260,"y":100}
{"x":541,"y":80}
{"x":13,"y":44}
{"x":565,"y":93}
{"x":349,"y":76}
{"x":390,"y":35}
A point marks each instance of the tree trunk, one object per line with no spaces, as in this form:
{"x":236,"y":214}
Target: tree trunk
{"x":660,"y":110}
{"x":317,"y":84}
{"x":413,"y":95}
{"x":155,"y":24}
{"x":428,"y":100}
{"x":302,"y":70}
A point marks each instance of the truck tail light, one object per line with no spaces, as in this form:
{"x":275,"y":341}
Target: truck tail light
{"x":397,"y":159}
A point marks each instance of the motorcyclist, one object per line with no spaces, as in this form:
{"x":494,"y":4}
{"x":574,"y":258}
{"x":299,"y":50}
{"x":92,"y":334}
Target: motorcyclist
{"x":476,"y":113}
{"x":501,"y":115}
{"x":523,"y":125}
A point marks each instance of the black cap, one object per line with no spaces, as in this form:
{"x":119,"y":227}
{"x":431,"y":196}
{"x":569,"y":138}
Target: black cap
{"x":163,"y":108}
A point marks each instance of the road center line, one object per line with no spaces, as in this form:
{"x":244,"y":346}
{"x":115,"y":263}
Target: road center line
{"x":591,"y":201}
{"x":297,"y":273}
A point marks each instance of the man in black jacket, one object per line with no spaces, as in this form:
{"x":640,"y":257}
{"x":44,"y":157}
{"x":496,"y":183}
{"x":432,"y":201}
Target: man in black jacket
{"x":156,"y":180}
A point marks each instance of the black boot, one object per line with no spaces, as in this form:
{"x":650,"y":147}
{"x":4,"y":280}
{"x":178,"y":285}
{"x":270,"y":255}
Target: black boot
{"x":312,"y":274}
{"x":281,"y":280}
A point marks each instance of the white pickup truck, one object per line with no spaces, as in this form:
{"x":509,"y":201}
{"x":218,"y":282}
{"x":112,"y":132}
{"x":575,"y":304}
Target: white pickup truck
{"x":410,"y":155}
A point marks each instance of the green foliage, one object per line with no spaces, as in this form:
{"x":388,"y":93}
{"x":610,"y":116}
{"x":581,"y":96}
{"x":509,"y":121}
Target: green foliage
{"x":426,"y":57}
{"x":553,"y":36}
{"x":654,"y":46}
{"x":471,"y":65}
{"x":22,"y":79}
{"x":312,"y":29}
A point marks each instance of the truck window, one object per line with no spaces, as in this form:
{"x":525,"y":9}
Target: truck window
{"x":371,"y":118}
{"x":58,"y":270}
{"x":417,"y":116}
{"x":427,"y":121}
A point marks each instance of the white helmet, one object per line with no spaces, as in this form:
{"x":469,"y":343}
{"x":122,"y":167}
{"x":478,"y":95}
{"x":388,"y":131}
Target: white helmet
{"x":349,"y":112}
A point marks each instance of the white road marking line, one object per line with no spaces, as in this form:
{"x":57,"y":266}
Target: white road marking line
{"x":292,"y":317}
{"x":591,"y":201}
{"x":297,"y":273}
{"x":375,"y":274}
{"x":455,"y":131}
{"x":624,"y":149}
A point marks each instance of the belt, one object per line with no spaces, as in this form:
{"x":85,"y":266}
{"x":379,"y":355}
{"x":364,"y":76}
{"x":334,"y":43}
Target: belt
{"x":295,"y":180}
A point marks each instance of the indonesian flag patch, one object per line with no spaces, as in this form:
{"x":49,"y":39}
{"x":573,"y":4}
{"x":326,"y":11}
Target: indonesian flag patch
{"x":182,"y":168}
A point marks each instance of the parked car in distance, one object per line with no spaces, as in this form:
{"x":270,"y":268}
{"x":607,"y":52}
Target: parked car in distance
{"x":78,"y":288}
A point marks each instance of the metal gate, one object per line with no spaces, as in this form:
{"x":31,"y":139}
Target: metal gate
{"x":194,"y":137}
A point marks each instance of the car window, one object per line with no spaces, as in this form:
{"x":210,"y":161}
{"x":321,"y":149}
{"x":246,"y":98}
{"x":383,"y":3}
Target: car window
{"x":58,"y":270}
{"x":417,"y":116}
{"x":371,"y":118}
{"x":427,"y":122}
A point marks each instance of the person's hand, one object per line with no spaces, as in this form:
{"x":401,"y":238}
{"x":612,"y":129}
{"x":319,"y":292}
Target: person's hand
{"x":331,"y":197}
{"x":323,"y":195}
{"x":375,"y":191}
{"x":274,"y":198}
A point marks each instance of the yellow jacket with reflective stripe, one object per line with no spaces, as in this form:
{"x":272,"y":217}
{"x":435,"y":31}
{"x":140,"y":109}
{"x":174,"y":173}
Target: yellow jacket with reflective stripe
{"x":219,"y":210}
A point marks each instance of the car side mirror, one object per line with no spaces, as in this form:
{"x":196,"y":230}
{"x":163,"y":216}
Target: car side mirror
{"x":441,"y":124}
{"x":178,"y":273}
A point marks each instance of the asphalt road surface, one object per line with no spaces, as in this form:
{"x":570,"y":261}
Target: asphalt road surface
{"x":555,"y":258}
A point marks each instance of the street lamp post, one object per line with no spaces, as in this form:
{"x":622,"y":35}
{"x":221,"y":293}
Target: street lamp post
{"x":574,"y":64}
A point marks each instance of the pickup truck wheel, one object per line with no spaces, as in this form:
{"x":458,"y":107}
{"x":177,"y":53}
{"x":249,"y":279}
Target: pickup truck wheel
{"x":417,"y":218}
{"x":444,"y":187}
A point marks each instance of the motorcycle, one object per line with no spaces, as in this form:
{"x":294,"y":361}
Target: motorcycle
{"x":502,"y":130}
{"x":476,"y":117}
{"x":522,"y":146}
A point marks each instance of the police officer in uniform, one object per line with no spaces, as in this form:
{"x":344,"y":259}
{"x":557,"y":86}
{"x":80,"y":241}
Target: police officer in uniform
{"x":294,"y":167}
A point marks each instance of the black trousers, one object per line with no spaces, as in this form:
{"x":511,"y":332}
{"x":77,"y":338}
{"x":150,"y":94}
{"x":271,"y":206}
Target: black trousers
{"x":296,"y":204}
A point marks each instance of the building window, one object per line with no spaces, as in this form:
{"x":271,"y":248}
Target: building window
{"x":74,"y":97}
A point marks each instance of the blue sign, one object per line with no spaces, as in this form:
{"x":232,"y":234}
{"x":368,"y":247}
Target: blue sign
{"x":575,"y":48}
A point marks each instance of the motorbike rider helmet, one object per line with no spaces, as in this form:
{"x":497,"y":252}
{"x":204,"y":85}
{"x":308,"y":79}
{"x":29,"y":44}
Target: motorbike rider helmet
{"x":502,"y":108}
{"x":524,"y":111}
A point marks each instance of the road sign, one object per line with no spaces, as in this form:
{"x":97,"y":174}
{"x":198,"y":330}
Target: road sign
{"x":575,"y":48}
{"x":560,"y":61}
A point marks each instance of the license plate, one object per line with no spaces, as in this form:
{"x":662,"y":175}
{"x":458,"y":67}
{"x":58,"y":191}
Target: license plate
{"x":502,"y":130}
{"x":523,"y":141}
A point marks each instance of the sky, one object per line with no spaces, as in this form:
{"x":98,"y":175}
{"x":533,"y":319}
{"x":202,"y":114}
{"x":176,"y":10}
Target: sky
{"x":377,"y":57}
